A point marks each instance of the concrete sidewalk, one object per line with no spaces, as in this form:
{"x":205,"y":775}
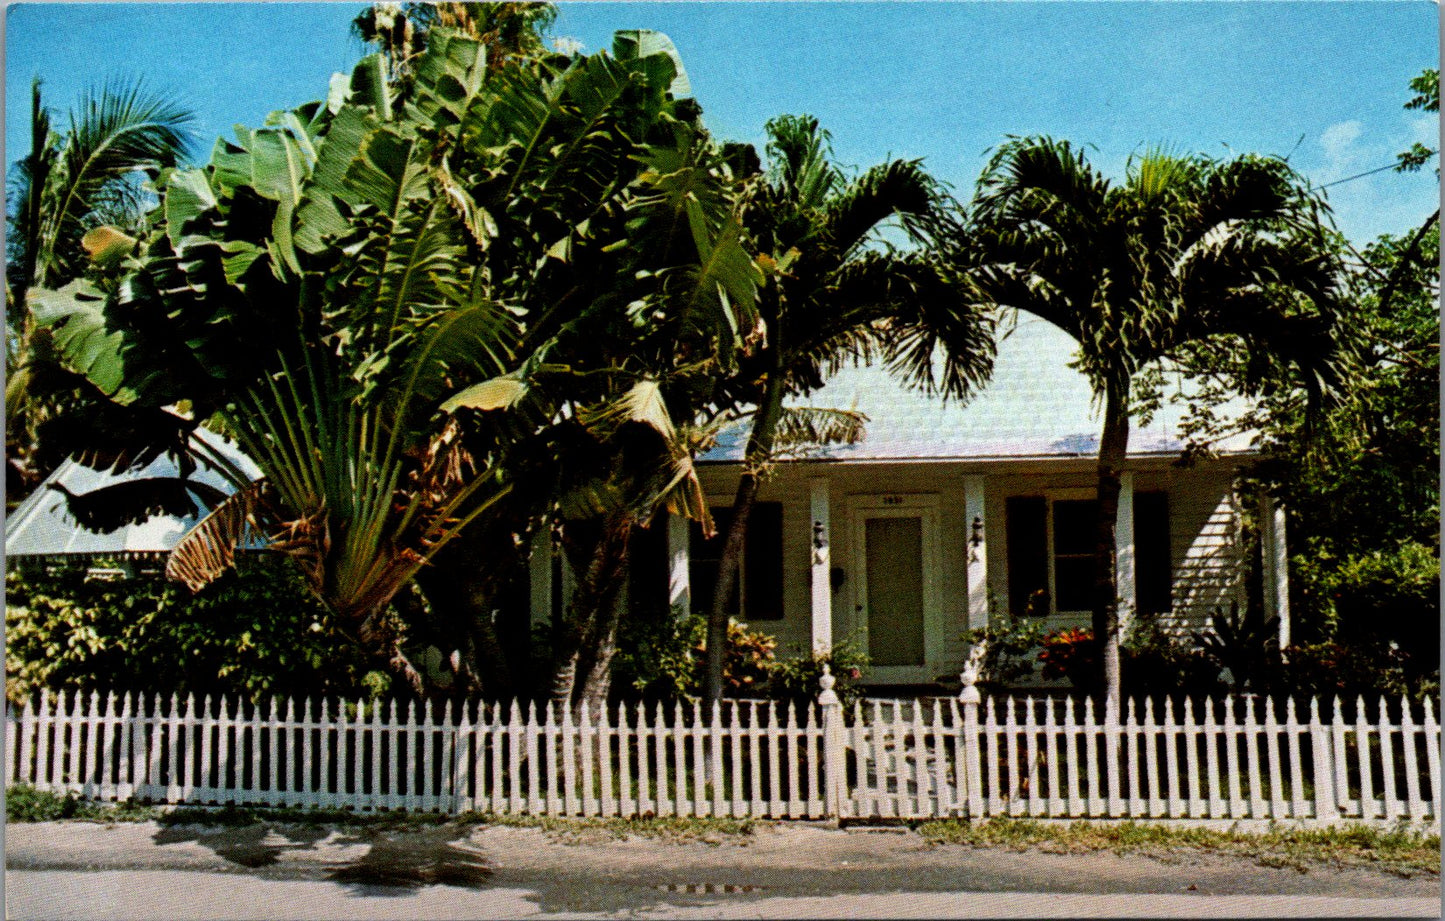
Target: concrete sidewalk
{"x":145,"y":870}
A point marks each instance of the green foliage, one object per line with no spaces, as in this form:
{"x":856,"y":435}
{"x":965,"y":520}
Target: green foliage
{"x":257,"y":631}
{"x":1152,"y":658}
{"x":1361,"y":485}
{"x":1246,"y":646}
{"x":1011,"y":650}
{"x":1328,"y":668}
{"x":493,"y":294}
{"x":662,"y":659}
{"x":1426,"y":87}
{"x":24,"y":803}
{"x":795,"y":677}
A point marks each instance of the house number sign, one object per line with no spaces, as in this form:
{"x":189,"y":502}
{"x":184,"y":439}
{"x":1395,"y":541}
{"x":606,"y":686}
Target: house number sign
{"x":892,"y":500}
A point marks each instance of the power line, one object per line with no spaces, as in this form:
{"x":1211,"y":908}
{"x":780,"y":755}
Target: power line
{"x":1369,"y":172}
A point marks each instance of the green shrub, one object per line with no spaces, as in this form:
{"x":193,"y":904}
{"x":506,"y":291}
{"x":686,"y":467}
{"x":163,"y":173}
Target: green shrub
{"x":253,"y":632}
{"x":663,"y":658}
{"x":1392,"y":596}
{"x":1011,"y":651}
{"x":796,"y":678}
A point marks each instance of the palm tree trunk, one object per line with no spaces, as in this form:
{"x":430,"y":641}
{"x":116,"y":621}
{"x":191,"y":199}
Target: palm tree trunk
{"x":591,"y":607}
{"x":602,"y":647}
{"x":760,"y":448}
{"x":1113,"y":451}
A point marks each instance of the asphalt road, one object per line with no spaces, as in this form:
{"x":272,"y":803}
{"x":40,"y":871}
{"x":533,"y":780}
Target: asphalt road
{"x":82,"y":870}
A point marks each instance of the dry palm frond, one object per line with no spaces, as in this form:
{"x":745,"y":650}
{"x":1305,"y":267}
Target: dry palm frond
{"x":209,"y":549}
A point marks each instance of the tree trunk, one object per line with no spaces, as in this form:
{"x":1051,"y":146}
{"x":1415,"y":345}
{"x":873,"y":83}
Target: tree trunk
{"x":591,"y":609}
{"x":601,"y":648}
{"x":1113,"y":451}
{"x":760,"y":448}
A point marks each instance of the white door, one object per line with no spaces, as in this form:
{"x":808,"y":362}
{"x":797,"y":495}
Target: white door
{"x":895,"y":585}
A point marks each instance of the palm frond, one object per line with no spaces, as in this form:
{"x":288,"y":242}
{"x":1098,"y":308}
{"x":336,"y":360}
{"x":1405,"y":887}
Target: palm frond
{"x":117,"y":129}
{"x":209,"y":549}
{"x":801,"y":428}
{"x":899,"y":188}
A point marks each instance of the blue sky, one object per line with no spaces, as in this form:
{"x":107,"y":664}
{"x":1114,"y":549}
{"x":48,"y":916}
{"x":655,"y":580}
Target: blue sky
{"x":1323,"y":82}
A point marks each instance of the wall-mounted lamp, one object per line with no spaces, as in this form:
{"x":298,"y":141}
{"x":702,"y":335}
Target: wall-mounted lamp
{"x":975,"y":538}
{"x":820,"y":543}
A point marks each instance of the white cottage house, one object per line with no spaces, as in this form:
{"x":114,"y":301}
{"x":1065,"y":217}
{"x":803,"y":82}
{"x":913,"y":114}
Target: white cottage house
{"x":907,"y":540}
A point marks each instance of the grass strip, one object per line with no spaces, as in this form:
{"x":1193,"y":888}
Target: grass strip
{"x":24,"y":803}
{"x":1401,"y":850}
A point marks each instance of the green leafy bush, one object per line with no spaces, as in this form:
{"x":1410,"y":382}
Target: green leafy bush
{"x":1151,"y":661}
{"x":256,"y":631}
{"x":796,"y":678}
{"x":662,"y":658}
{"x":1011,"y":650}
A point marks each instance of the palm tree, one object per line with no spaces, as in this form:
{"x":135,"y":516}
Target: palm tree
{"x":1186,"y":256}
{"x":834,"y":295}
{"x":119,"y":136}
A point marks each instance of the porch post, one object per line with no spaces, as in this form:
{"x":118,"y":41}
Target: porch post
{"x":976,"y":527}
{"x":819,"y":539}
{"x":1275,"y":557}
{"x":1124,"y":543}
{"x":679,"y":585}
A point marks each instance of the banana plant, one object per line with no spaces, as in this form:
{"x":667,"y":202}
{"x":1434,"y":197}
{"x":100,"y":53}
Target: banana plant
{"x":382,"y":299}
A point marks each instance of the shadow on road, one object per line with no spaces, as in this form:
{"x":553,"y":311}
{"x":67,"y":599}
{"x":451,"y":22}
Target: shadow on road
{"x":393,"y":863}
{"x":252,"y":846}
{"x":406,"y":862}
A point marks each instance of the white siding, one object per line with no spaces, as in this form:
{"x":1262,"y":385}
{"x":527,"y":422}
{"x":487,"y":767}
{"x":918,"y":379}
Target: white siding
{"x":1204,"y":540}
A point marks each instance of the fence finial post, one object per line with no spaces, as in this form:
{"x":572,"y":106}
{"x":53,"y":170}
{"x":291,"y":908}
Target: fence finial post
{"x":834,"y":766}
{"x":969,"y":697}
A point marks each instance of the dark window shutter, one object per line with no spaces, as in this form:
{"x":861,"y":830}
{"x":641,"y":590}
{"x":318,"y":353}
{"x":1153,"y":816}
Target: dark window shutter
{"x":1026,"y":525}
{"x":648,"y":575}
{"x":703,"y":557}
{"x":763,"y":563}
{"x":1152,"y":557}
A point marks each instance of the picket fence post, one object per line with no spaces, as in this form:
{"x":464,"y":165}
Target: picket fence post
{"x":972,"y":777}
{"x":835,"y":775}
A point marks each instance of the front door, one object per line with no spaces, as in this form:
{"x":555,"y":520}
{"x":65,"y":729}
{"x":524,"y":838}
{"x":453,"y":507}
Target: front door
{"x":895,"y":552}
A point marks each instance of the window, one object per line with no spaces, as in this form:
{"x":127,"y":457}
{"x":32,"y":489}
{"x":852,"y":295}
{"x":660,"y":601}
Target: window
{"x":758,"y":593}
{"x":1075,"y":530}
{"x":1050,"y":546}
{"x":1153,"y":559}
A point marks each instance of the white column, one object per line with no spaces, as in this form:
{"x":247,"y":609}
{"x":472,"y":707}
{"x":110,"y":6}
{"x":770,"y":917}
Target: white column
{"x":1124,"y":571}
{"x":975,"y":540}
{"x":540,"y":570}
{"x":679,"y":585}
{"x":1275,"y":557}
{"x":819,"y":540}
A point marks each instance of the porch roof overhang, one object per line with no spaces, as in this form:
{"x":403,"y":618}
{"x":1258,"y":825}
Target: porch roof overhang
{"x":1037,"y":408}
{"x":42,"y":525}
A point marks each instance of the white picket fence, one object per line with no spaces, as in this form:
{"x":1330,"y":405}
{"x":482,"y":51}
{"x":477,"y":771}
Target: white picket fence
{"x":1231,"y":758}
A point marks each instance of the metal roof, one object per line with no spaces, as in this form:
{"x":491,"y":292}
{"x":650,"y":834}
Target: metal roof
{"x":42,"y":525}
{"x":1036,"y":406}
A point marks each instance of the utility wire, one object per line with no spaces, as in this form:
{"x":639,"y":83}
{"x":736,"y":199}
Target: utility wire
{"x":1370,"y":172}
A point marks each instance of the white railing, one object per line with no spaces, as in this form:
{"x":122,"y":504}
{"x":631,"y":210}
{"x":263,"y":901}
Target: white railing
{"x":1231,"y":758}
